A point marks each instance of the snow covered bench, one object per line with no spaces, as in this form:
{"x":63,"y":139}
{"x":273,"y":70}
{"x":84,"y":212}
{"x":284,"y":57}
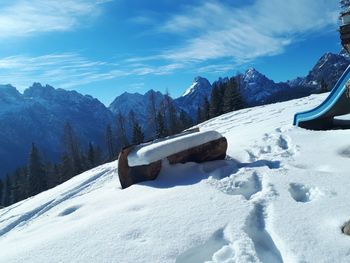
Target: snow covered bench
{"x":143,"y":162}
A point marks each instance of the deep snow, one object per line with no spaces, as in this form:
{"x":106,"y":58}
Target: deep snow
{"x":147,"y":153}
{"x":281,"y":196}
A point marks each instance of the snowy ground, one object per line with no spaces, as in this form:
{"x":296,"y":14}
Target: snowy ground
{"x":281,"y":196}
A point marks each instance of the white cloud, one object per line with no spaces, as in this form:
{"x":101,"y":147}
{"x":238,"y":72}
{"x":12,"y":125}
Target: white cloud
{"x":25,"y":17}
{"x":69,"y":70}
{"x":214,"y":30}
{"x":65,"y":70}
{"x":215,"y":37}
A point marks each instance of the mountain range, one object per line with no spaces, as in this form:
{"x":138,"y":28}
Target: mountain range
{"x":39,"y":114}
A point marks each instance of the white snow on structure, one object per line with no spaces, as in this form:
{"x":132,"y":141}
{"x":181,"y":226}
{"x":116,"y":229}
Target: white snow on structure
{"x":148,"y":153}
{"x":282,"y":197}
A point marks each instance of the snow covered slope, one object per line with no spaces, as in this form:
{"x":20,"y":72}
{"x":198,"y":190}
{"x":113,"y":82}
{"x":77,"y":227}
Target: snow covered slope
{"x":281,"y":196}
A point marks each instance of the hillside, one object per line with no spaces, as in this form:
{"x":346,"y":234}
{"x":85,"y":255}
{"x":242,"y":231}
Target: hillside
{"x":39,"y":114}
{"x":270,"y":201}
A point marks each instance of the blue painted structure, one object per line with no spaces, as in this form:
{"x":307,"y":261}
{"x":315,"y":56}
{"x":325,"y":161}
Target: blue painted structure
{"x":337,"y":103}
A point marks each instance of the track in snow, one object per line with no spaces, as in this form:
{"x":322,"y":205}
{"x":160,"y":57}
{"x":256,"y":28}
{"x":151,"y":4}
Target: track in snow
{"x":264,"y":245}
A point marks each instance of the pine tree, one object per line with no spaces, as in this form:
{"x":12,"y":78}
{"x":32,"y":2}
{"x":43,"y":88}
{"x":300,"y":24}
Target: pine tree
{"x":214,"y":108}
{"x":53,"y":174}
{"x":109,"y":143}
{"x":203,"y":113}
{"x":121,"y":131}
{"x":199,"y":114}
{"x":184,"y":121}
{"x":173,"y":120}
{"x":66,"y":169}
{"x":169,"y":113}
{"x":91,"y":158}
{"x":1,"y":192}
{"x":228,"y":101}
{"x":98,"y":155}
{"x":161,"y":130}
{"x":206,"y":107}
{"x":16,"y":187}
{"x":72,"y":149}
{"x":7,"y":194}
{"x":36,"y":172}
{"x":152,"y":115}
{"x":137,"y":134}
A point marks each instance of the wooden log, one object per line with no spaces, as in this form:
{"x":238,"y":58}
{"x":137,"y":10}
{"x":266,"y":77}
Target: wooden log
{"x":133,"y":175}
{"x":210,"y":151}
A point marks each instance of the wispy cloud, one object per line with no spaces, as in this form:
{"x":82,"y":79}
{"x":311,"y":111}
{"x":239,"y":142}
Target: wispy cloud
{"x":213,"y":30}
{"x":69,"y":70}
{"x":65,"y":70}
{"x":211,"y":37}
{"x":21,"y":18}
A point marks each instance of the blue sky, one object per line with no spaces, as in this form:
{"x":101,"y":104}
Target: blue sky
{"x":106,"y":47}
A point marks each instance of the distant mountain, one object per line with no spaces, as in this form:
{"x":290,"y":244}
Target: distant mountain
{"x":140,"y":105}
{"x":194,"y":96}
{"x":39,"y":114}
{"x":136,"y":102}
{"x":257,"y":89}
{"x":329,"y":68}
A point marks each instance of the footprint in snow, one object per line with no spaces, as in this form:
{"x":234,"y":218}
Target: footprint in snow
{"x":344,"y":152}
{"x":242,"y":184}
{"x":283,"y":142}
{"x":302,"y":193}
{"x":265,"y":247}
{"x":69,"y":210}
{"x":203,"y":253}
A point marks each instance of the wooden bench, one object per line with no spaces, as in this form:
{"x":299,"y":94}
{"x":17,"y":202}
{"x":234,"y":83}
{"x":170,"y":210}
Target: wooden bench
{"x":143,"y":162}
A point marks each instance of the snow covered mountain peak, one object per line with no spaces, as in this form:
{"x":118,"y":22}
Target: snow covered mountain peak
{"x":194,"y":95}
{"x":328,"y":69}
{"x":256,"y":88}
{"x":253,"y":74}
{"x":197,"y":84}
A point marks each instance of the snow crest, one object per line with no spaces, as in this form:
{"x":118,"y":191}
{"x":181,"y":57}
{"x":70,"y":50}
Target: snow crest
{"x":148,"y":153}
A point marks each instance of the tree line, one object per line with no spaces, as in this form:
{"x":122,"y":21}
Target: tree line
{"x":40,"y":175}
{"x":225,"y":97}
{"x":163,"y":119}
